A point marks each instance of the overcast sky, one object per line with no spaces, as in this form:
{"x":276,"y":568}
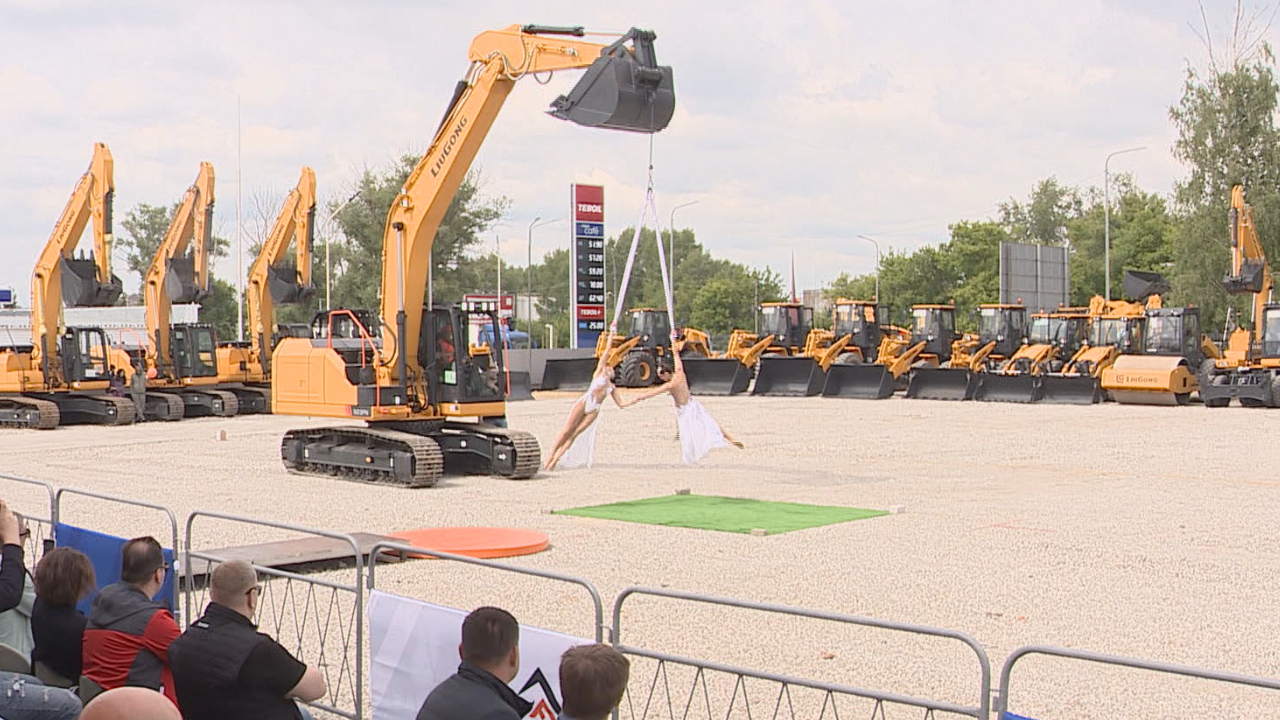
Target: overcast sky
{"x":798,"y":125}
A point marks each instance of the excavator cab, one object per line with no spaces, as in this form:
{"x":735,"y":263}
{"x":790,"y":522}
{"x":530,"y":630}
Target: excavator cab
{"x":624,"y":89}
{"x":81,"y":286}
{"x":454,"y":374}
{"x":935,"y":326}
{"x":788,"y":323}
{"x":194,"y":349}
{"x":343,"y":324}
{"x":83,"y":352}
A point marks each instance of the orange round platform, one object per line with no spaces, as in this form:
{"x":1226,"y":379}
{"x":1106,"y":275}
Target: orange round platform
{"x":476,"y":542}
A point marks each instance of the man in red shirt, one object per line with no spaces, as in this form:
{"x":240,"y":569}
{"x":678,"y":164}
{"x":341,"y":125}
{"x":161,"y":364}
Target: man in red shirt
{"x":126,"y":641}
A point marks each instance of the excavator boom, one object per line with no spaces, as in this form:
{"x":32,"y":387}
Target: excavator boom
{"x":271,"y":281}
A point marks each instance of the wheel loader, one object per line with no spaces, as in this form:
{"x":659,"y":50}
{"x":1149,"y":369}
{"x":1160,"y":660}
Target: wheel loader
{"x":784,"y":334}
{"x":1051,"y":338}
{"x":927,"y":344}
{"x":646,"y":347}
{"x":1165,"y":371}
{"x":1002,"y":329}
{"x":853,"y":340}
{"x":1115,"y":328}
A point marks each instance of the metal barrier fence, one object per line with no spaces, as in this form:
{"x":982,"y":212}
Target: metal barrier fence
{"x":1002,"y":700}
{"x":321,"y":622}
{"x":39,"y":519}
{"x":58,"y":517}
{"x":783,"y":687}
{"x":402,"y":549}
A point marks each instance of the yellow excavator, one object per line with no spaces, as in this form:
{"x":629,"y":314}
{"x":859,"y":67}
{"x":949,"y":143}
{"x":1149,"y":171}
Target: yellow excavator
{"x":1249,"y":371}
{"x":1002,"y":329}
{"x":180,"y":359}
{"x":244,"y":368}
{"x":427,"y":403}
{"x":63,"y":375}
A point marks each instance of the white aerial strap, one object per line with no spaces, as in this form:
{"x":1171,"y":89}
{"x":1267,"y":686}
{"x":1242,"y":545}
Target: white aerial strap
{"x":648,"y":209}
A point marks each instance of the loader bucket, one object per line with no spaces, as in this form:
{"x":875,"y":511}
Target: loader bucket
{"x":282,"y":283}
{"x":942,"y":384}
{"x":1020,"y":388}
{"x":716,"y":376}
{"x":624,"y":89}
{"x":1071,"y":389}
{"x":868,"y":382}
{"x":180,"y":282}
{"x":80,"y":286}
{"x":788,"y":376}
{"x":568,"y":373}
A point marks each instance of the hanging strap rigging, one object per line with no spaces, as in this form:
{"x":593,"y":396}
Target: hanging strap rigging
{"x":648,"y":209}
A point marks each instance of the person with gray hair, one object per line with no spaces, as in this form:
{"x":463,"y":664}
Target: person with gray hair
{"x":224,"y":668}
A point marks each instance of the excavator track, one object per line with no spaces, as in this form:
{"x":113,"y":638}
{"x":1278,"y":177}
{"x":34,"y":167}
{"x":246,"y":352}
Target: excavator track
{"x":126,"y":412}
{"x":28,"y":413}
{"x":230,"y":403}
{"x":175,"y":409}
{"x":367,"y":455}
{"x":528,"y":452}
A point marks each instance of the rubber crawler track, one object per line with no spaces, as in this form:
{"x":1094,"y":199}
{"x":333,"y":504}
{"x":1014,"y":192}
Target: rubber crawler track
{"x":528,"y":452}
{"x":48,"y":415}
{"x":428,"y":460}
{"x":126,"y":412}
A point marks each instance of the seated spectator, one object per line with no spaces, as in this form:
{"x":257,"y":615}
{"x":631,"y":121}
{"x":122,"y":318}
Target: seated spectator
{"x":64,"y":577}
{"x":23,"y":697}
{"x":130,"y":704}
{"x":126,"y":641}
{"x":224,"y":668}
{"x":592,"y":681}
{"x":490,"y":655}
{"x":16,"y":594}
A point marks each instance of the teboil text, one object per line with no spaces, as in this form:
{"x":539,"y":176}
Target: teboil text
{"x":590,"y":208}
{"x":448,"y":146}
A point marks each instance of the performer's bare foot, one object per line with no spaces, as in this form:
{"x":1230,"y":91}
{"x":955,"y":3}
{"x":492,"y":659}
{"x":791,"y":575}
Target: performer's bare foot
{"x":738,"y":444}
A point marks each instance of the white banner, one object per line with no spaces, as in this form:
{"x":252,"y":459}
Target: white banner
{"x":414,"y":647}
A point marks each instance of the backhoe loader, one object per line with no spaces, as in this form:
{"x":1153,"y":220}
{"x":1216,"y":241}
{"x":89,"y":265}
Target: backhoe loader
{"x":1002,"y":329}
{"x":1115,"y":328}
{"x":646,"y":347}
{"x":729,"y":372}
{"x":1165,"y":371}
{"x":244,"y":368}
{"x":181,"y":359}
{"x":63,"y":376}
{"x":1250,"y":368}
{"x":427,"y":406}
{"x":927,"y":344}
{"x":783,"y":337}
{"x":1051,"y":338}
{"x":853,"y":340}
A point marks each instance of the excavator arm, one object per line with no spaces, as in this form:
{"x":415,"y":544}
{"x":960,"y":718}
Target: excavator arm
{"x":1250,"y":272}
{"x":172,"y":277}
{"x":271,"y":282}
{"x":498,"y":59}
{"x":58,"y":277}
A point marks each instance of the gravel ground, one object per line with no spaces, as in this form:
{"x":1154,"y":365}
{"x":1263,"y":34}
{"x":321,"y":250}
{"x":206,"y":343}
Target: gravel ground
{"x":1117,"y":529}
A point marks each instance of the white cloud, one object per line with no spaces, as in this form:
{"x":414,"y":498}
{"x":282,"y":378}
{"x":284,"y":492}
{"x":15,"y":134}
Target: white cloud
{"x":799,"y":125}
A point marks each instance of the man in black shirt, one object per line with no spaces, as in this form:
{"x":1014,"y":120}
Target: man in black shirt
{"x":224,"y":668}
{"x":490,"y":660}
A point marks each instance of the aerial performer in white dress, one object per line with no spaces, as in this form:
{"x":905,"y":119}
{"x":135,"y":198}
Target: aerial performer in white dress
{"x":699,"y":432}
{"x":575,"y":445}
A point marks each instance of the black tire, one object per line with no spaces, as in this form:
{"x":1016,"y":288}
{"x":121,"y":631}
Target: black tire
{"x":1275,"y":390}
{"x":849,"y":359}
{"x":1208,"y":369}
{"x":637,"y":370}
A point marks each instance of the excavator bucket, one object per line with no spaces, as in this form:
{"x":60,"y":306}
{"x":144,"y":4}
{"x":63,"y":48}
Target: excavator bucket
{"x":789,"y":376}
{"x":716,"y":376}
{"x":624,"y":89}
{"x":1141,"y":285}
{"x":1071,"y":389}
{"x":80,"y":285}
{"x":568,"y":373}
{"x":518,"y":386}
{"x":282,"y":283}
{"x":929,"y":383}
{"x":180,"y":282}
{"x":867,"y":382}
{"x":1020,"y":388}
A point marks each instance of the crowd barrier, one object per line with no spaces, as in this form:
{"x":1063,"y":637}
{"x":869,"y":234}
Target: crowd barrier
{"x":782,"y":688}
{"x":1002,"y":703}
{"x":323,"y":623}
{"x":320,"y":621}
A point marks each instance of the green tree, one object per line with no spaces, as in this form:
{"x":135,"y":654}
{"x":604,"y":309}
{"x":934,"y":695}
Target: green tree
{"x":219,"y":309}
{"x":1227,"y":134}
{"x":456,"y":267}
{"x":1043,"y":218}
{"x":1142,"y":236}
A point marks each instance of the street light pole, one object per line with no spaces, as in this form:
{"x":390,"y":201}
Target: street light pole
{"x":873,"y":242}
{"x":528,"y":301}
{"x":328,"y":274}
{"x":671,"y":275}
{"x":1106,"y":212}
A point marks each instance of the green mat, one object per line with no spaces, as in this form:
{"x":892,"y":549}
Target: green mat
{"x":737,"y":515}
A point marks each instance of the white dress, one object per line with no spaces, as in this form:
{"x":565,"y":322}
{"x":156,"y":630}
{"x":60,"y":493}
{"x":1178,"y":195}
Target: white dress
{"x":699,"y":432}
{"x":582,"y":452}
